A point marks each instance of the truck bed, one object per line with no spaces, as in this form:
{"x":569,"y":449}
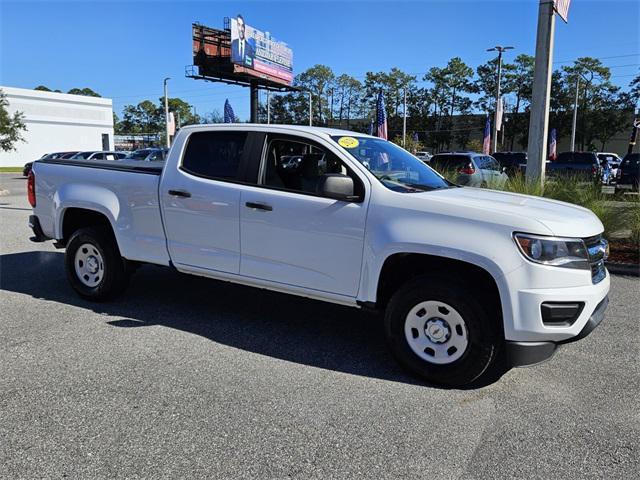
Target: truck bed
{"x":125,"y":192}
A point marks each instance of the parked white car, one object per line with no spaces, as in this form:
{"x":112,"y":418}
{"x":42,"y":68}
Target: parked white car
{"x":424,"y":156}
{"x":461,"y":273}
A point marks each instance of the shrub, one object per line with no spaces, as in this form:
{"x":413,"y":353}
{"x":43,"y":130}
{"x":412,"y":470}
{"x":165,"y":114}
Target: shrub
{"x":614,"y":216}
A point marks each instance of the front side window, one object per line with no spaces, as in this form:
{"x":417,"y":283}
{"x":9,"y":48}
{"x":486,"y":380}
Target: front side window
{"x":393,"y":166}
{"x":214,"y":154}
{"x":298,"y":165}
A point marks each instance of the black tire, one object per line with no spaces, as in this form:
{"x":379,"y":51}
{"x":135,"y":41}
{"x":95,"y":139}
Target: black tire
{"x":115,"y":276}
{"x":484,"y":333}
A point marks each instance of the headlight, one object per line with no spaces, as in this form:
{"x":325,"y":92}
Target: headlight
{"x":554,"y":251}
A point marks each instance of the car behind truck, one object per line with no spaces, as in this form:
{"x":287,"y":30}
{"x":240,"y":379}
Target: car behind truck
{"x":462,"y":274}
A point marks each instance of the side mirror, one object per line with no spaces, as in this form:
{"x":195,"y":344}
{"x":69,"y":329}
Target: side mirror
{"x":337,"y":186}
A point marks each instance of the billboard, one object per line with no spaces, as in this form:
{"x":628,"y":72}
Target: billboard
{"x":258,"y":53}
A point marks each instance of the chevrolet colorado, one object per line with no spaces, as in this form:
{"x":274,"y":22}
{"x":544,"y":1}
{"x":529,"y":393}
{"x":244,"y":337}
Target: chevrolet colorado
{"x":463,"y":275}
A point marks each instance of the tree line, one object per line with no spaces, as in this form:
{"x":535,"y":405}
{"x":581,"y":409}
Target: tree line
{"x":446,"y":105}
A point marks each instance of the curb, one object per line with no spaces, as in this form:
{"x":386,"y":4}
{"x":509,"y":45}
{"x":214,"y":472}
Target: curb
{"x":631,"y":269}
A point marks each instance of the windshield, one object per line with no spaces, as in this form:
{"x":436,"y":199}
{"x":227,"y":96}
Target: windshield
{"x":396,"y":168}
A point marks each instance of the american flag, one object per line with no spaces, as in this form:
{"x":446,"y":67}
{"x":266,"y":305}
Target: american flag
{"x":382,"y":117}
{"x":562,"y":7}
{"x":553,"y":152}
{"x":486,"y":143}
{"x":229,"y":116}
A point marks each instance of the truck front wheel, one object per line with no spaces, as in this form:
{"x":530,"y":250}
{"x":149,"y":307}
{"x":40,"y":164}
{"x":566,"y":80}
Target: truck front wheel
{"x":94,"y":266}
{"x":438,"y":329}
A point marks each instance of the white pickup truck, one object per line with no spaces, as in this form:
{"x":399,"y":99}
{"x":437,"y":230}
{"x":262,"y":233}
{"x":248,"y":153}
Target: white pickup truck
{"x":461,"y":274}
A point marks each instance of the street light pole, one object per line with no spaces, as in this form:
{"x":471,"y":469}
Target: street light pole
{"x":575,"y":116}
{"x":310,"y":111}
{"x":500,"y":51}
{"x":404,"y":120}
{"x":166,"y":111}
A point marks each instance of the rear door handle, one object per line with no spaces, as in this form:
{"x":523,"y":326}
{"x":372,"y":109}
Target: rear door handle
{"x":179,"y":193}
{"x":259,"y":206}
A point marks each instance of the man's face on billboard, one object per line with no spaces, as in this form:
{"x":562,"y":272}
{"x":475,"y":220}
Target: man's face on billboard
{"x":241,"y":28}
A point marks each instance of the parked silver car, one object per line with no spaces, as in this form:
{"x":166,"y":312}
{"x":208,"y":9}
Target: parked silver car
{"x":99,"y":155}
{"x":470,"y":168}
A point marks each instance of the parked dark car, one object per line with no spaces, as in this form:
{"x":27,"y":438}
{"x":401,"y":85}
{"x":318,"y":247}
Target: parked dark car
{"x":584,"y":165}
{"x":46,"y":156}
{"x":149,"y":154}
{"x":629,"y":173}
{"x":513,"y":162}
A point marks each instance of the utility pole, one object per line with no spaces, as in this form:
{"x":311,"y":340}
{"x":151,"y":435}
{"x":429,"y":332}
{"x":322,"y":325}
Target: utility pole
{"x":310,"y":111}
{"x":166,"y":111}
{"x":404,"y":120}
{"x":539,"y":118}
{"x":268,"y":108}
{"x":575,"y":116}
{"x":500,"y":51}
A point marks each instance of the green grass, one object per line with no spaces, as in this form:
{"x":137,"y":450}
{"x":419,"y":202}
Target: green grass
{"x":635,"y":223}
{"x":10,"y":169}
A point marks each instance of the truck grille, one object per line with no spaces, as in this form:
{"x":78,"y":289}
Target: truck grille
{"x":598,"y":251}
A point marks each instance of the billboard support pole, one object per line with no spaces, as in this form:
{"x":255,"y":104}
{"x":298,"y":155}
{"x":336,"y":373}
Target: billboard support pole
{"x":539,"y":118}
{"x":253,"y":92}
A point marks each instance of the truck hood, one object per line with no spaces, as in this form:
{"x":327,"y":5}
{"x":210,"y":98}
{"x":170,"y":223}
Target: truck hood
{"x":521,"y":211}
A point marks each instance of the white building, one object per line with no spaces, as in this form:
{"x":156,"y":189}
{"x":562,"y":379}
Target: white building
{"x":58,"y":122}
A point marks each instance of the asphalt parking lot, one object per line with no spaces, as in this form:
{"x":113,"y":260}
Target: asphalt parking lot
{"x":190,"y":378}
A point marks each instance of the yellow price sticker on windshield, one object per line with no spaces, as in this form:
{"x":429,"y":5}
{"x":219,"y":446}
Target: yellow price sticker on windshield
{"x":348,"y":142}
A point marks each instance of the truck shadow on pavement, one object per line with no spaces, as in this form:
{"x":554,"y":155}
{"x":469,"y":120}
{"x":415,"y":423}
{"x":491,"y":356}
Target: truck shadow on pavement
{"x":290,"y":328}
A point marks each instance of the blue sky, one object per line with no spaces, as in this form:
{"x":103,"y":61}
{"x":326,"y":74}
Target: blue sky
{"x":124,"y":49}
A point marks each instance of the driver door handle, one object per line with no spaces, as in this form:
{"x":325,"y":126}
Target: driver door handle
{"x":259,"y":206}
{"x":179,"y":193}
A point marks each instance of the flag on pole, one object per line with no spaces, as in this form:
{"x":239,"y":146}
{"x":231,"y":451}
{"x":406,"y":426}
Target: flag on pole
{"x":562,"y":8}
{"x":499,"y":116}
{"x":171,"y":124}
{"x":382,"y":118}
{"x":486,"y":144}
{"x":229,"y":116}
{"x":371,"y":128}
{"x":553,"y":146}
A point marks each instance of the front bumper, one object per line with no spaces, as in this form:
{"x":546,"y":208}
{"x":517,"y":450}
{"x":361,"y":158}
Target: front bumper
{"x":521,"y":354}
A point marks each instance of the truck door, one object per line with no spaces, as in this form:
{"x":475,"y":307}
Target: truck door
{"x":200,"y":201}
{"x":292,"y":235}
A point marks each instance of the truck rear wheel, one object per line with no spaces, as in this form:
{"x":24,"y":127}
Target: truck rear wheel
{"x":439,"y":330}
{"x":94,"y":266}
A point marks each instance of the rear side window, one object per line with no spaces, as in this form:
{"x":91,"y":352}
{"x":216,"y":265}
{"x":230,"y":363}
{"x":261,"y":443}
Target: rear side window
{"x":450,"y":161}
{"x":565,"y":157}
{"x":214,"y":154}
